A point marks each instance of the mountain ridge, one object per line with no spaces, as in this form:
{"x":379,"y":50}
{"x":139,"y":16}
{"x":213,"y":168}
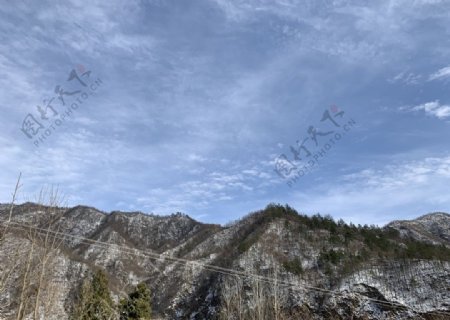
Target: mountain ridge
{"x":312,"y":251}
{"x":432,"y":228}
{"x":181,"y":214}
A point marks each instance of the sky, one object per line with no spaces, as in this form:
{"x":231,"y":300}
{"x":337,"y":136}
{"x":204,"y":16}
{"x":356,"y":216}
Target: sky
{"x":201,"y":106}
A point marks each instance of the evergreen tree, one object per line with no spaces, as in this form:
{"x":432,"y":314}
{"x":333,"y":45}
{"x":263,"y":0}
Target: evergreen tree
{"x":137,"y":305}
{"x":94,"y":301}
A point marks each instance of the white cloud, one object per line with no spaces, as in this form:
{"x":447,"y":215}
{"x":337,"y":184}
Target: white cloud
{"x":405,"y":190}
{"x":179,"y":103}
{"x":434,"y":108}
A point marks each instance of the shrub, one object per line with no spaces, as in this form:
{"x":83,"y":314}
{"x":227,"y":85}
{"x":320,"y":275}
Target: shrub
{"x":293,"y":266}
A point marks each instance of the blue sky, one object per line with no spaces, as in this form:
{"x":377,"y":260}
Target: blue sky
{"x":199,"y":98}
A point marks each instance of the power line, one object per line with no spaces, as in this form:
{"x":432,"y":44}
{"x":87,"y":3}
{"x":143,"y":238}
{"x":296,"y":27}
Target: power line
{"x":213,"y":268}
{"x":226,"y":271}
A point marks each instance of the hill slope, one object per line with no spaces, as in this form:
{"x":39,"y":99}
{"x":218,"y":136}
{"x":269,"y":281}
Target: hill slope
{"x":274,"y":263}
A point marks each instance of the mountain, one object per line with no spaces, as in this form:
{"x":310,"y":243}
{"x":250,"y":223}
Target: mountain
{"x":432,"y":228}
{"x":272,"y":264}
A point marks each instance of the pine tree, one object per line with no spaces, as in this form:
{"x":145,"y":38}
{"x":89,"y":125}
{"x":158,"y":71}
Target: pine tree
{"x":137,"y":305}
{"x":94,"y":302}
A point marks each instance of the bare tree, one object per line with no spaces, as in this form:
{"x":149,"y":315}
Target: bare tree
{"x":43,"y":244}
{"x":25,"y":288}
{"x":276,"y":295}
{"x":258,"y":300}
{"x":50,"y":244}
{"x":227,"y":291}
{"x":232,"y":298}
{"x":13,"y":261}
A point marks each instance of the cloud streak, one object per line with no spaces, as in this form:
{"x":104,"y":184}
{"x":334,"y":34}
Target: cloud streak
{"x":440,"y":74}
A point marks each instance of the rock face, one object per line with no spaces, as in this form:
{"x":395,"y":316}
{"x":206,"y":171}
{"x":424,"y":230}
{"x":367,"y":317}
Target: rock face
{"x":272,"y":264}
{"x":432,"y":228}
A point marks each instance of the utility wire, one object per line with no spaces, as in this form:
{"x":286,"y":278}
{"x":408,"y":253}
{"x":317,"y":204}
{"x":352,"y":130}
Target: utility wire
{"x":213,"y":268}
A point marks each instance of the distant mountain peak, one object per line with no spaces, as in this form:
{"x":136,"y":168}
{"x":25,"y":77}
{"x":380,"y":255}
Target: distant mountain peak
{"x":432,"y":228}
{"x":433,"y":215}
